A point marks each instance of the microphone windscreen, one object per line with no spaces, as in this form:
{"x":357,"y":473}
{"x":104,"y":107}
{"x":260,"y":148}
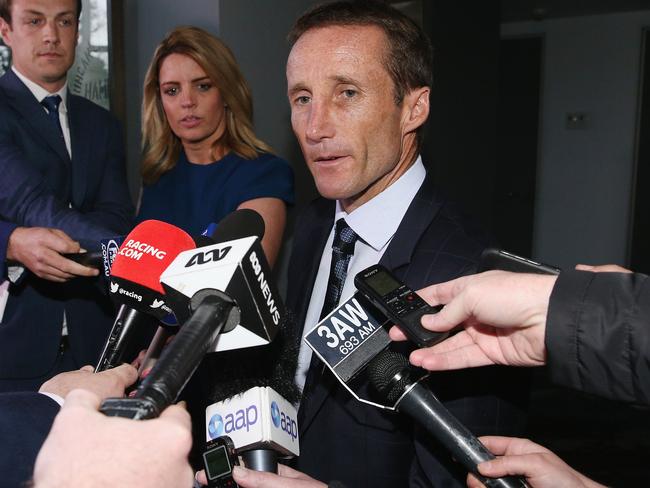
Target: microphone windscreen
{"x":203,"y":241}
{"x":147,"y":251}
{"x":230,"y":373}
{"x":389,"y":374}
{"x":238,"y":224}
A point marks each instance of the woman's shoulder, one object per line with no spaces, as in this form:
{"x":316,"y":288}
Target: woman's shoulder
{"x":264,"y":164}
{"x":267,"y":175}
{"x":267,"y":159}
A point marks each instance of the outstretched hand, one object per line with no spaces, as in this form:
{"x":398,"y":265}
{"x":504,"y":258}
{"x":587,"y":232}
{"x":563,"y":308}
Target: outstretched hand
{"x":521,"y":457}
{"x":40,"y":250}
{"x":87,"y":448}
{"x":503,"y":316}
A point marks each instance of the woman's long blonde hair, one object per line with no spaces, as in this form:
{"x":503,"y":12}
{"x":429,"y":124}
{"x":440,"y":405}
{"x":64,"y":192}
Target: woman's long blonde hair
{"x":160,"y":146}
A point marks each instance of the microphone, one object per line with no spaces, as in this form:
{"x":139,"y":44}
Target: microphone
{"x":146,"y":252}
{"x":134,"y":285}
{"x":254,"y":394}
{"x":212,"y":311}
{"x":261,"y":424}
{"x":349,"y":337}
{"x":243,"y":222}
{"x":353,"y":338}
{"x":213,"y":302}
{"x":391,"y":375}
{"x":101,"y":259}
{"x":237,"y":224}
{"x":239,"y":269}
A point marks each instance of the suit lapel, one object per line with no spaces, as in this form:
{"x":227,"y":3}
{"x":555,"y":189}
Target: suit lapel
{"x":22,"y":100}
{"x":417,"y":219}
{"x":307,"y":254}
{"x":80,"y":141}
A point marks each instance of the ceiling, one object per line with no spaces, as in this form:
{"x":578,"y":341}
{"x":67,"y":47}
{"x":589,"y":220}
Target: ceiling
{"x":519,"y":10}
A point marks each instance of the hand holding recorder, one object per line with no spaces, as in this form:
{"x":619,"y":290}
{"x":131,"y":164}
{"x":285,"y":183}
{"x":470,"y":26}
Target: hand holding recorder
{"x":504,"y":319}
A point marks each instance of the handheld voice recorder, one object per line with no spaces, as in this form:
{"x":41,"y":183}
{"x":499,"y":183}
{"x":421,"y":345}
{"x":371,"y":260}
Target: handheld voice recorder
{"x":219,"y":457}
{"x":399,"y":303}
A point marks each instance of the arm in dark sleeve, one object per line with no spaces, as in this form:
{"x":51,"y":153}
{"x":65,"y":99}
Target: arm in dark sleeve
{"x":26,"y":201}
{"x":598,"y":334}
{"x":112,"y":206}
{"x":6,"y":228}
{"x":25,"y":421}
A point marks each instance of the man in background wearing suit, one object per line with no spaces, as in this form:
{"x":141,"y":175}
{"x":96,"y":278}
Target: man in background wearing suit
{"x":63,"y":184}
{"x":359,"y":78}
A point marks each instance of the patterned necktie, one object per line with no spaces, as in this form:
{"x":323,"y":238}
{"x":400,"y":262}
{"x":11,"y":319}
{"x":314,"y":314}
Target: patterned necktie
{"x":52,"y":103}
{"x":342,"y":250}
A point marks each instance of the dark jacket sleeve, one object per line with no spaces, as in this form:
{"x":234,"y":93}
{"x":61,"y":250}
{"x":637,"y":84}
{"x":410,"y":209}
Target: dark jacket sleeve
{"x":598,"y":334}
{"x":6,"y":228}
{"x":26,"y":200}
{"x":25,"y":421}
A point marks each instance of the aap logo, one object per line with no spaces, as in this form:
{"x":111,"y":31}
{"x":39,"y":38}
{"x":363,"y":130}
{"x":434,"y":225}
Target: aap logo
{"x":233,"y":422}
{"x":275,"y":414}
{"x":283,"y":421}
{"x":215,"y":426}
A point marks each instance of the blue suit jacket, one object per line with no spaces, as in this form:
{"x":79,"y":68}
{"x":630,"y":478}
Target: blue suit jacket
{"x":25,"y":421}
{"x":39,"y":180}
{"x":342,"y":439}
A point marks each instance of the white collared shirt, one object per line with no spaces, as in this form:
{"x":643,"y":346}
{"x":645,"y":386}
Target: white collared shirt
{"x":375,"y":222}
{"x":40,"y":93}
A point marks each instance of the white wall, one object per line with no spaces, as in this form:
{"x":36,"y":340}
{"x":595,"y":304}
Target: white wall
{"x":584,"y":177}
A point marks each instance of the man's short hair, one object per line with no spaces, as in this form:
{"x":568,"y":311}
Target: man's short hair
{"x":5,"y":10}
{"x":409,"y":57}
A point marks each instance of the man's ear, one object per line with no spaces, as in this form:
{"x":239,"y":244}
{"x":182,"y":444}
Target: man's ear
{"x":416,"y":105}
{"x":4,"y":29}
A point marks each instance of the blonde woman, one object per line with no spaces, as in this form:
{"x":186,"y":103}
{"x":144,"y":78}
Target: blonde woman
{"x":201,"y":158}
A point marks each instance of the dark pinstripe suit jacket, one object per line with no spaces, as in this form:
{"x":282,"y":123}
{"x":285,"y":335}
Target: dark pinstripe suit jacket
{"x":345,"y":440}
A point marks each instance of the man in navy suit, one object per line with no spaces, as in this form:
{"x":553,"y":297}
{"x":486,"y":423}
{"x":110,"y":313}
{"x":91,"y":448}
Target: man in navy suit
{"x":26,"y":417}
{"x":63,"y":186}
{"x":359,"y":78}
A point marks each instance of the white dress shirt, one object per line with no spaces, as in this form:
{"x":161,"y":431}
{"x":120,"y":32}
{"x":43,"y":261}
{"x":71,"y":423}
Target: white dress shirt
{"x":375,"y":222}
{"x":40,"y":93}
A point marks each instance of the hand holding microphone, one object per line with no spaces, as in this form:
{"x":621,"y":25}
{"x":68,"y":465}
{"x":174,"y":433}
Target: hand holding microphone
{"x":42,"y":250}
{"x":353,"y":339}
{"x":391,"y":375}
{"x":135,"y":286}
{"x":86,"y":448}
{"x":504,"y":318}
{"x":200,"y":285}
{"x":540,"y":467}
{"x":236,"y":225}
{"x":286,"y":477}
